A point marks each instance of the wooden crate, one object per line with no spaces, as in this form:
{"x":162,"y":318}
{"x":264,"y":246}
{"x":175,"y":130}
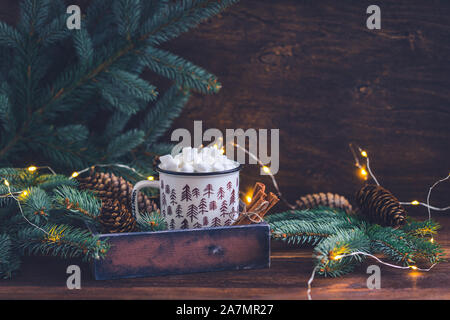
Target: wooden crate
{"x":146,"y":254}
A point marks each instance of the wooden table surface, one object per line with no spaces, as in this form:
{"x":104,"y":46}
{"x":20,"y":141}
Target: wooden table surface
{"x":291,"y":267}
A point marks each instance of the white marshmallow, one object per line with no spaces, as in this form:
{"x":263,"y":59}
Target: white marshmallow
{"x":186,"y":167}
{"x":218,"y":167}
{"x":195,"y":160}
{"x":202,"y":167}
{"x":187,"y":154}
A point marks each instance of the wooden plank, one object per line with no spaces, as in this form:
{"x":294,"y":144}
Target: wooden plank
{"x":185,"y":251}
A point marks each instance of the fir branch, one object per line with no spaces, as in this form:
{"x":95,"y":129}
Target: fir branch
{"x":316,"y":214}
{"x":425,"y":250}
{"x":160,"y":149}
{"x":5,"y":114}
{"x":303,"y":231}
{"x":80,"y":204}
{"x":171,"y":21}
{"x":392,"y":243}
{"x":10,"y":37}
{"x":107,"y":64}
{"x":161,"y":116}
{"x":403,"y":248}
{"x":36,"y":205}
{"x":127,"y":14}
{"x":61,"y":240}
{"x":83,"y":46}
{"x":34,"y":14}
{"x":134,"y":85}
{"x":115,"y":125}
{"x":151,"y":222}
{"x":9,"y":262}
{"x":183,"y":72}
{"x":124,"y":143}
{"x":327,"y":251}
{"x":421,"y":228}
{"x":48,"y":182}
{"x":54,"y":31}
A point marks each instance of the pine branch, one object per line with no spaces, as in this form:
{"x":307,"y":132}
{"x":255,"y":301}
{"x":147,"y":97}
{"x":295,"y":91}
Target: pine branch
{"x":300,"y":231}
{"x":33,"y":15}
{"x":392,"y":243}
{"x":421,"y":228}
{"x":61,"y":240}
{"x":171,"y":21}
{"x":55,"y":31}
{"x":327,"y":252}
{"x":101,"y":74}
{"x":124,"y":144}
{"x":10,"y":37}
{"x":161,"y":116}
{"x":127,"y":14}
{"x":134,"y":85}
{"x":48,"y":182}
{"x":115,"y":125}
{"x":36,"y":205}
{"x":151,"y":222}
{"x":9,"y":262}
{"x":183,"y":72}
{"x":84,"y":47}
{"x":80,"y":204}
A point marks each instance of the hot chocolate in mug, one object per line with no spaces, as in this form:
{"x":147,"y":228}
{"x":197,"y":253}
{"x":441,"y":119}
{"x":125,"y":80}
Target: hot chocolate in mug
{"x":195,"y":200}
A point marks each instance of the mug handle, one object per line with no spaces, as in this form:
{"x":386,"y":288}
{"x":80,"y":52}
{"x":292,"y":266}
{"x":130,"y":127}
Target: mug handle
{"x":134,"y":194}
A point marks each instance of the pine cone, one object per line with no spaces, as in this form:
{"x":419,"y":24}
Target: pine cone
{"x":108,"y":186}
{"x":116,"y":218}
{"x":331,"y":200}
{"x":380,"y":206}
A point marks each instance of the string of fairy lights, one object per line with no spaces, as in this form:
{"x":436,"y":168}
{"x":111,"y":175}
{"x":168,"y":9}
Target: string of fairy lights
{"x":364,"y":170}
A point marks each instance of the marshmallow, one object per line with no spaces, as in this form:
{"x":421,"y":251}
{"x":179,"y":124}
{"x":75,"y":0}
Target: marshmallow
{"x":218,"y":167}
{"x":195,"y":160}
{"x":186,"y":167}
{"x":202,"y":167}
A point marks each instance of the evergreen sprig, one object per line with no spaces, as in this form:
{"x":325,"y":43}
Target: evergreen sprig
{"x":62,"y":241}
{"x":48,"y":105}
{"x":336,"y":234}
{"x":49,"y":221}
{"x":151,"y":222}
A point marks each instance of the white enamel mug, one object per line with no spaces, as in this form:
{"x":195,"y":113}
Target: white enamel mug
{"x":195,"y":200}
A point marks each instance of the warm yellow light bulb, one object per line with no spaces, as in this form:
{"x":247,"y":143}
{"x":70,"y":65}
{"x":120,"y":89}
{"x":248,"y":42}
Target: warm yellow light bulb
{"x":415,"y":203}
{"x":432,"y":240}
{"x":32,"y":168}
{"x":364,"y":172}
{"x":75,"y":174}
{"x":266,"y":169}
{"x":249,"y":199}
{"x":7,"y":183}
{"x":151,"y":178}
{"x":364,"y":154}
{"x":413,"y":267}
{"x":222,"y":151}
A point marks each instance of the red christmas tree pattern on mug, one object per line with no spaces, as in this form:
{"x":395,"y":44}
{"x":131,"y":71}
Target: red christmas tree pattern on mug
{"x":202,"y":202}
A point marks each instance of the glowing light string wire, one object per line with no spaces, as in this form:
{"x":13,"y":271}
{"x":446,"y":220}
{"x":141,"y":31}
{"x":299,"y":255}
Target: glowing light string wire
{"x":20,"y":207}
{"x":267,"y":171}
{"x":77,"y":173}
{"x":311,"y":279}
{"x":415,"y":202}
{"x":411,"y":203}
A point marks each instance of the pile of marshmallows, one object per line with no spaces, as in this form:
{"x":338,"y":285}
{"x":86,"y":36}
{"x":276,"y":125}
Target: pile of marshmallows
{"x":197,"y":160}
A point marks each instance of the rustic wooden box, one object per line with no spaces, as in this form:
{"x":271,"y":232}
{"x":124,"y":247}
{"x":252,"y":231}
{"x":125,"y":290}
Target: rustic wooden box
{"x":146,"y":254}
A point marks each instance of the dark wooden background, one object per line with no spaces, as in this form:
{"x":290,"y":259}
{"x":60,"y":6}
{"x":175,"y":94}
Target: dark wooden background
{"x":313,"y":70}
